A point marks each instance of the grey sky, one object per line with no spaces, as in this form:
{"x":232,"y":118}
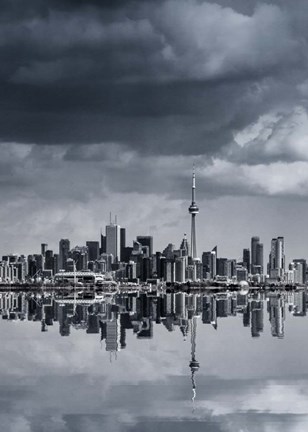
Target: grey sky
{"x":105,"y":106}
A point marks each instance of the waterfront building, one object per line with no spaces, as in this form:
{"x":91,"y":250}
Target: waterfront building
{"x":49,"y":259}
{"x":184,"y":247}
{"x":246,"y":259}
{"x":80,"y":256}
{"x":64,"y":248}
{"x":131,"y":270}
{"x":169,"y":270}
{"x":123,"y":245}
{"x":55,"y":264}
{"x":93,"y":250}
{"x":44,"y":247}
{"x":146,"y":241}
{"x":222,"y":267}
{"x":113,"y":240}
{"x":103,"y":244}
{"x":277,"y":258}
{"x":180,"y":265}
{"x":108,"y":259}
{"x":256,"y":256}
{"x":241,"y":273}
{"x":168,"y":252}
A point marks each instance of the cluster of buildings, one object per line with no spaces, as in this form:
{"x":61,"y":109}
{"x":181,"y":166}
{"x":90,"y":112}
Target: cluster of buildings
{"x":111,"y":257}
{"x":112,"y":316}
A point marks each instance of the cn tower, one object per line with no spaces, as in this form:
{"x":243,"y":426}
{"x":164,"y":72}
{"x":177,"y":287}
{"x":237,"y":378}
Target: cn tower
{"x":193,"y":210}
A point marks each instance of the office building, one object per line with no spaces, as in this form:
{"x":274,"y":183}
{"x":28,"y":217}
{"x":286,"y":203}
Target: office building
{"x":44,"y":247}
{"x":277,"y":258}
{"x":64,"y":248}
{"x":123,"y":244}
{"x":256,"y":256}
{"x":146,"y":241}
{"x":180,"y":265}
{"x":246,"y":259}
{"x":93,"y":250}
{"x":113,"y":240}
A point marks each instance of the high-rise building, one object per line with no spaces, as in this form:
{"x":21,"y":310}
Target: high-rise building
{"x":180,"y":265}
{"x":169,"y":270}
{"x":246,"y":259}
{"x":103,"y":244}
{"x":113,"y":240}
{"x":256,"y":256}
{"x":44,"y":247}
{"x":49,"y":260}
{"x":277,"y":258}
{"x":260,"y":261}
{"x":146,"y":241}
{"x":93,"y":250}
{"x":79,"y":254}
{"x":209,"y":263}
{"x":64,"y":248}
{"x":193,"y":210}
{"x":184,"y":248}
{"x":55,"y":266}
{"x":122,"y":244}
{"x":222,"y":266}
{"x":254,"y":241}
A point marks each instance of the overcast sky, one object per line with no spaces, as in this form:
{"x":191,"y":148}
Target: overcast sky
{"x":106,"y":105}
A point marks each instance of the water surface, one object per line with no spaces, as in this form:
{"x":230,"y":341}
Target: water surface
{"x":167,"y":362}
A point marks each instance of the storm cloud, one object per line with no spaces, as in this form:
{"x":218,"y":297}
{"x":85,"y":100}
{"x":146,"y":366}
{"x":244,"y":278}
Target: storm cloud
{"x":109,"y":102}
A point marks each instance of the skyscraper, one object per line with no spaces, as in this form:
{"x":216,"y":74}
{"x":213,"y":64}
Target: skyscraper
{"x":259,"y":263}
{"x":146,"y":241}
{"x":64,"y":248}
{"x":246,"y":259}
{"x":93,"y":250}
{"x":256,"y":256}
{"x":277,"y":258}
{"x":122,"y":243}
{"x":113,"y":243}
{"x":49,"y":260}
{"x":193,"y":210}
{"x":44,"y":247}
{"x":254,"y":242}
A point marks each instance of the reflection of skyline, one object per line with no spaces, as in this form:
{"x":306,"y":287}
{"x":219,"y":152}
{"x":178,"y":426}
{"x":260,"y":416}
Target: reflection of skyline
{"x":112,"y":316}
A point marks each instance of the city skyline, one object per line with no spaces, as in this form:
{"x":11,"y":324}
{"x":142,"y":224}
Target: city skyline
{"x":115,"y":239}
{"x":113,"y":259}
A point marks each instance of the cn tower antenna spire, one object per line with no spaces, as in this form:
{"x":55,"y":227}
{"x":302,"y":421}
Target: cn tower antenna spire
{"x":193,"y":210}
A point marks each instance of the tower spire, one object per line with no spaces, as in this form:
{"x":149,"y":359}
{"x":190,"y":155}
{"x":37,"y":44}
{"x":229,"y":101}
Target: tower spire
{"x":193,"y":210}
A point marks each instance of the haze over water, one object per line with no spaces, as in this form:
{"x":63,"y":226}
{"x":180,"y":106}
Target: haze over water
{"x":122,"y":364}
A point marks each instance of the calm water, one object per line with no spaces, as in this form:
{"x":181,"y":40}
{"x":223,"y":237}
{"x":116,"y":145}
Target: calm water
{"x":146,"y":363}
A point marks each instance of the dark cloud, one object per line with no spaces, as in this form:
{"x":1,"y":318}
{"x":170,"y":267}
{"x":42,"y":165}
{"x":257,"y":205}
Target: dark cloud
{"x":120,"y":98}
{"x":161,"y":77}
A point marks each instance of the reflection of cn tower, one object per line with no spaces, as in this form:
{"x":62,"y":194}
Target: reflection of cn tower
{"x":194,"y":364}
